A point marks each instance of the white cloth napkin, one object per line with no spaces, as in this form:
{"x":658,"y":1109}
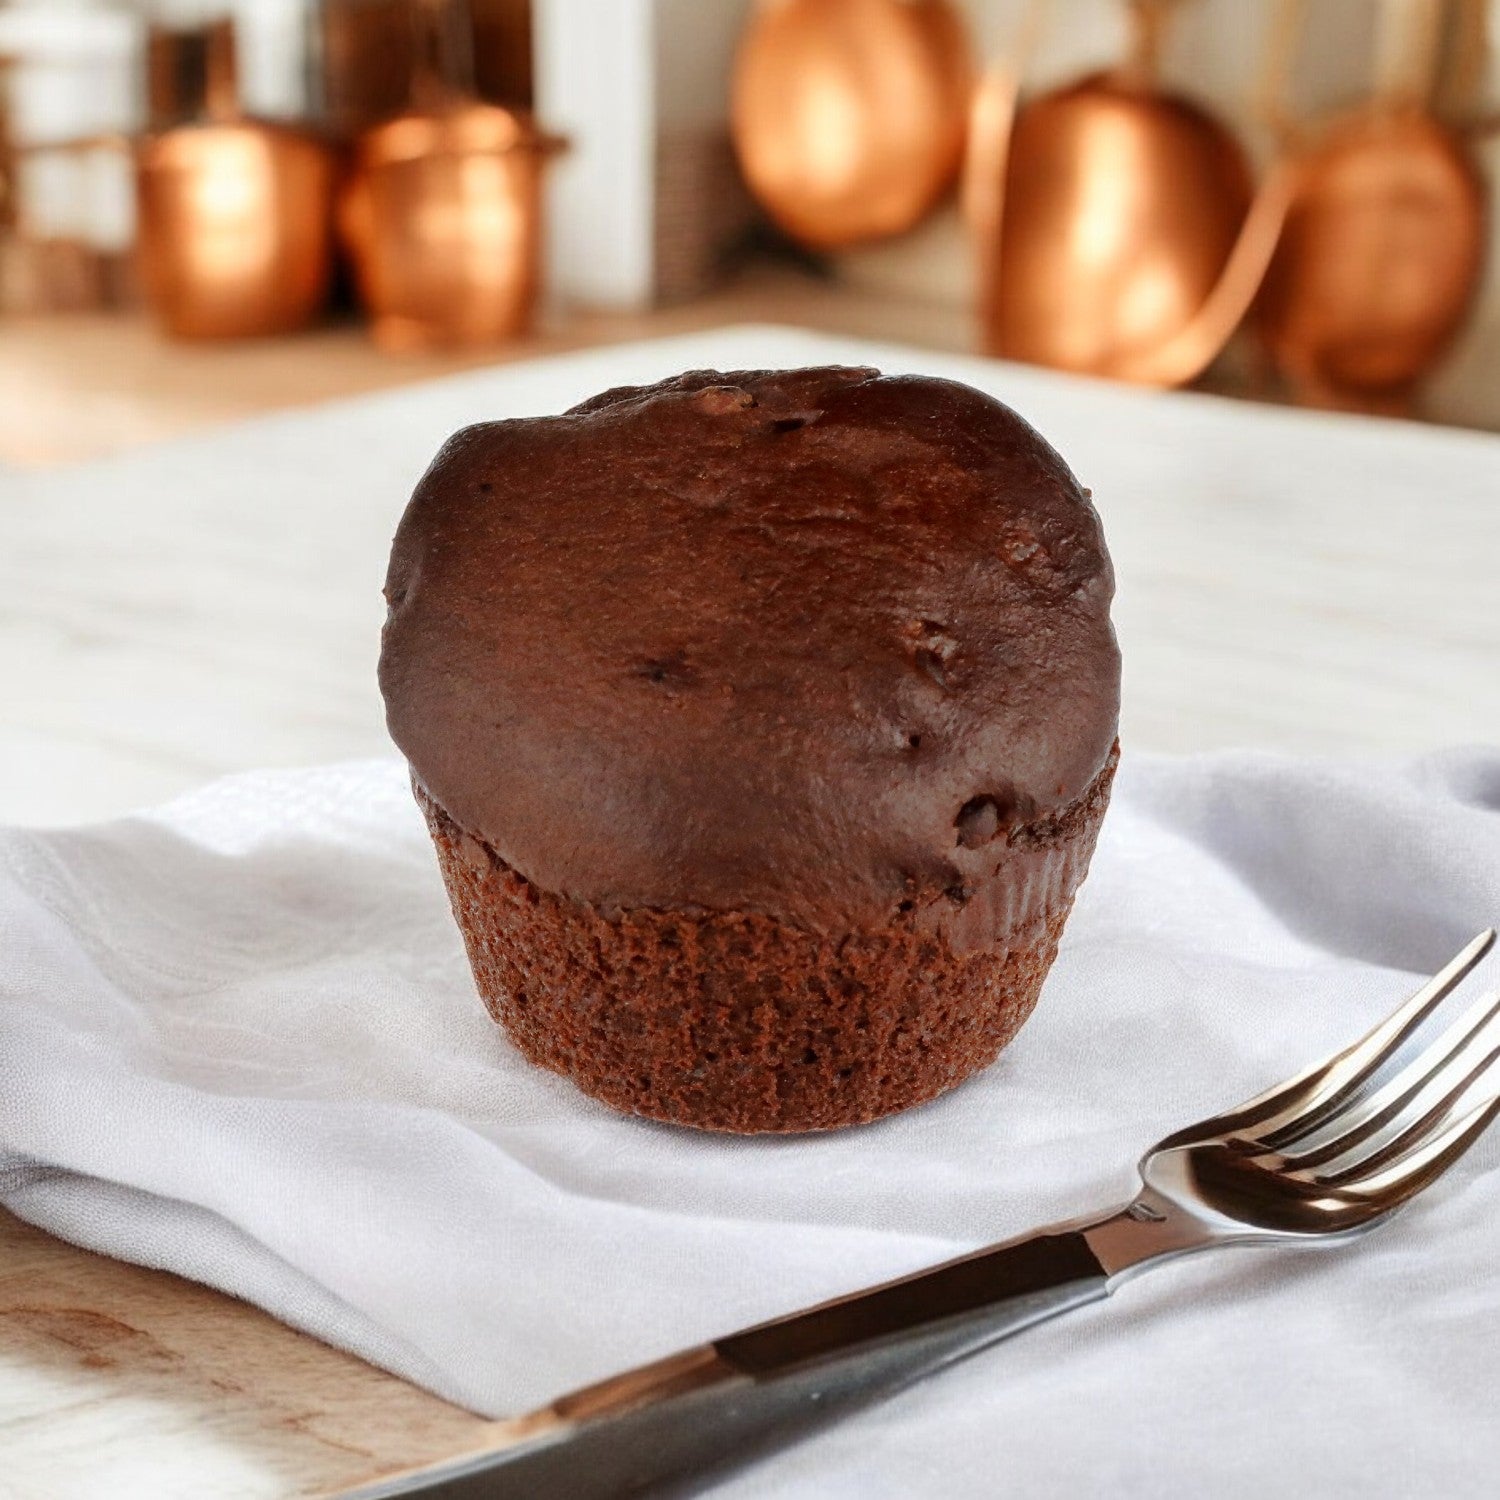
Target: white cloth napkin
{"x":238,"y":1039}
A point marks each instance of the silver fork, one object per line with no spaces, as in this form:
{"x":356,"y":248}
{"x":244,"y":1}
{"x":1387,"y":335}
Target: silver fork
{"x":1318,"y":1159}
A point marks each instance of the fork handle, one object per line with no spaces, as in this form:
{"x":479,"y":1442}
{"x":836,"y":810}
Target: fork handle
{"x":661,"y":1428}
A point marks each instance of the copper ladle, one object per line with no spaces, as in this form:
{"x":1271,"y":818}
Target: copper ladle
{"x":1115,"y":224}
{"x":848,"y":115}
{"x":1384,"y":246}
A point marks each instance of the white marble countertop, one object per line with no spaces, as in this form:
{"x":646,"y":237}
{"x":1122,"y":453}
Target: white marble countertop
{"x":1287,"y":579}
{"x":1297,"y":581}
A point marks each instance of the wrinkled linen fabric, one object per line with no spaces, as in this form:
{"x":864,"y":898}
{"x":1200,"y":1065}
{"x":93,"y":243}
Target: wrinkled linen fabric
{"x":239,"y":1040}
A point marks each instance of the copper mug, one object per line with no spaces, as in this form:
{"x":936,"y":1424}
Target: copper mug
{"x":235,"y":235}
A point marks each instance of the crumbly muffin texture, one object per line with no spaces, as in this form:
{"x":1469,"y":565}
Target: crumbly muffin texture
{"x":739,"y":1022}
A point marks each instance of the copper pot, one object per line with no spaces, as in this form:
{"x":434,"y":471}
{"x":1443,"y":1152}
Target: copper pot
{"x":1381,"y":259}
{"x":442,"y":220}
{"x":235,"y":239}
{"x":1122,"y":208}
{"x":848,"y":116}
{"x":1384,"y":246}
{"x":235,"y":235}
{"x":1116,"y":225}
{"x":442,"y":216}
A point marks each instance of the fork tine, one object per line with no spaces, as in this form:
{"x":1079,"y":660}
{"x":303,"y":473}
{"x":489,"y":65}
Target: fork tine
{"x":1292,"y":1109}
{"x":1411,"y":1094}
{"x":1405,"y":1177}
{"x":1430,"y":1109}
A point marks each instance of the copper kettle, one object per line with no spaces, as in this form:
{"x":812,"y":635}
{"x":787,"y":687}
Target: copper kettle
{"x":442,"y":215}
{"x":1116,"y":225}
{"x":848,"y":116}
{"x":235,"y":214}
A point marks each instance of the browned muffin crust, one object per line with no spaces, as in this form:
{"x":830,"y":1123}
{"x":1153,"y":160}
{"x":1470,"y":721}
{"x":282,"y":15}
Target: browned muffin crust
{"x":740,"y":1022}
{"x":807,"y":646}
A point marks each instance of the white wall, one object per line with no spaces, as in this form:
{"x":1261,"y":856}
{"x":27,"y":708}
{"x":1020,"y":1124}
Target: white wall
{"x":595,"y":83}
{"x":611,"y":74}
{"x":695,"y":42}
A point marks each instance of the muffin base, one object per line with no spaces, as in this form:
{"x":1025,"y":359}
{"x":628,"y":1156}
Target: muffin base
{"x":737,"y":1022}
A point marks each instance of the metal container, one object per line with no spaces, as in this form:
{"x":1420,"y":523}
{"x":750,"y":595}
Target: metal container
{"x":1122,"y":207}
{"x":235,"y":214}
{"x":848,"y":116}
{"x":442,"y":214}
{"x":442,"y":220}
{"x":1384,"y":248}
{"x":1117,"y":227}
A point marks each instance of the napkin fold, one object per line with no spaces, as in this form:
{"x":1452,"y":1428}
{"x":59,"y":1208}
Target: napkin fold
{"x":238,"y":1040}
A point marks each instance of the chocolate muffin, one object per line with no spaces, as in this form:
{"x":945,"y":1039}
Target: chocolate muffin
{"x":764,"y":722}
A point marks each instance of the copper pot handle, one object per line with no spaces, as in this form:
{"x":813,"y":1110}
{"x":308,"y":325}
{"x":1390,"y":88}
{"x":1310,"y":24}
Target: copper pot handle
{"x":992,"y":118}
{"x":1199,"y":342}
{"x":443,"y":54}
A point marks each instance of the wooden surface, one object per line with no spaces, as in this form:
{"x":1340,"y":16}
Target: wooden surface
{"x":82,"y":387}
{"x":128,"y":1382}
{"x":1285,"y":582}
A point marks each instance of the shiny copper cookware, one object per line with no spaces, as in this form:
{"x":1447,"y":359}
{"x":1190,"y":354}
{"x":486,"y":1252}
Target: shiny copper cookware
{"x":848,"y":116}
{"x":1117,"y":226}
{"x":1385,"y":245}
{"x":235,"y":214}
{"x":442,"y":214}
{"x":442,"y":219}
{"x":1380,"y":260}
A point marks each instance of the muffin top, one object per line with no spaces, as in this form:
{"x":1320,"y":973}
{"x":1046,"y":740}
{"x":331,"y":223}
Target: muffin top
{"x":809,"y":643}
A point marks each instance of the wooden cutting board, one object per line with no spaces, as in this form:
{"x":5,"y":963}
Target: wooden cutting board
{"x":94,"y":1352}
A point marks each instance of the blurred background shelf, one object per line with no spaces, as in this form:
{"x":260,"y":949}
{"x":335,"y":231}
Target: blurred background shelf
{"x":660,"y":216}
{"x":88,"y":385}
